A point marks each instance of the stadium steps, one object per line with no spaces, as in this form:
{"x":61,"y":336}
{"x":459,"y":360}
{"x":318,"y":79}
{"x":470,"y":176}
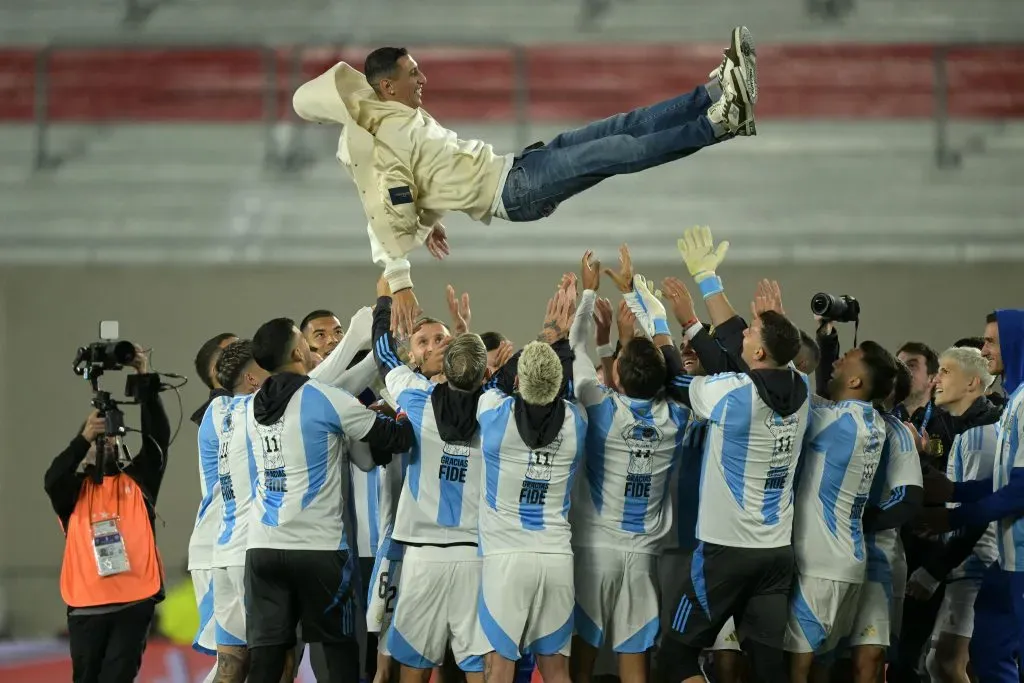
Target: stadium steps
{"x":869,"y":191}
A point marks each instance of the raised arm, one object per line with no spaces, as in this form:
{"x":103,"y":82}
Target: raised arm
{"x":333,"y":369}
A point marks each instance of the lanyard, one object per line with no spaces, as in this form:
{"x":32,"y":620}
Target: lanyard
{"x":927,"y":417}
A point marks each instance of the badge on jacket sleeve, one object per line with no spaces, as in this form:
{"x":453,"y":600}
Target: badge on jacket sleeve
{"x":400,"y":195}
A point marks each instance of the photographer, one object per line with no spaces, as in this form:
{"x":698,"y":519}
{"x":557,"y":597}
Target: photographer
{"x":112,"y":575}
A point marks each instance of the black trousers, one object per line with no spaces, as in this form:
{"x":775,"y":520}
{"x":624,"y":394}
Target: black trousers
{"x":107,"y":648}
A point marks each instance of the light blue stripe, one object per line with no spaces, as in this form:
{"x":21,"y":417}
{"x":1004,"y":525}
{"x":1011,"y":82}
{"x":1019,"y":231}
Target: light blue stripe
{"x":553,"y":643}
{"x":733,"y":415}
{"x":587,"y":628}
{"x":209,"y":451}
{"x":373,"y":507}
{"x":413,"y":402}
{"x":637,"y":494}
{"x":317,"y":419}
{"x":581,"y":444}
{"x":641,"y":641}
{"x":493,"y":424}
{"x":596,"y":439}
{"x":452,"y":481}
{"x":836,"y":443}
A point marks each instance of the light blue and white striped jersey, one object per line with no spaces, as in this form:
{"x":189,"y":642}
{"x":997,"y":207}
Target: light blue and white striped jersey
{"x":364,"y":499}
{"x":632,"y":448}
{"x":441,"y":493}
{"x":972,"y":458}
{"x":237,"y":472}
{"x":898,"y":468}
{"x":299,"y":459}
{"x":1010,"y":454}
{"x":751,"y":454}
{"x":837,"y":468}
{"x":214,"y":434}
{"x":684,"y":487}
{"x":526,"y":493}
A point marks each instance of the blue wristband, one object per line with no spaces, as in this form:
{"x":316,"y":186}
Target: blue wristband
{"x":661,"y":326}
{"x":710,"y":286}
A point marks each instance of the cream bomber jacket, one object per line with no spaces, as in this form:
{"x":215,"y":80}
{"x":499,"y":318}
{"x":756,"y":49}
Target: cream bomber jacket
{"x":409,"y":170}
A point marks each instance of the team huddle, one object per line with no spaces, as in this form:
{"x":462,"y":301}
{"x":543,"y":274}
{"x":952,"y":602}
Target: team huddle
{"x":489,"y":507}
{"x":674,"y":500}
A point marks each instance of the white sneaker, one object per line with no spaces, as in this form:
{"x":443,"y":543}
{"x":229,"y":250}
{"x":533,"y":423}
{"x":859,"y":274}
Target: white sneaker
{"x":741,"y":54}
{"x":733,"y":111}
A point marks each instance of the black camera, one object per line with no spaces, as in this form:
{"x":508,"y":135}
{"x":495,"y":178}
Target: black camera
{"x":837,"y":309}
{"x":109,"y":354}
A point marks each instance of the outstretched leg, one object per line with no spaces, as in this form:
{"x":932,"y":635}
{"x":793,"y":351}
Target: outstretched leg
{"x":676,"y":111}
{"x":542,"y":178}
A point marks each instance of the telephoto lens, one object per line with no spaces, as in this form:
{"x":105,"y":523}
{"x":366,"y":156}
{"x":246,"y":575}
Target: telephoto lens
{"x":840,"y":309}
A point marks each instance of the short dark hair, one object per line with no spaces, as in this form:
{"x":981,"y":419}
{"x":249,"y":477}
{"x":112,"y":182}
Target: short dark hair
{"x":382,"y":63}
{"x":881,"y":368}
{"x":641,"y":369}
{"x":808,"y":342}
{"x":970,"y":342}
{"x":931,"y":359}
{"x":492,"y":340}
{"x":313,"y":315}
{"x":272,"y":343}
{"x":901,"y":385}
{"x":232,"y":362}
{"x":209,"y":349}
{"x":992,"y":317}
{"x":780,"y":337}
{"x":426,"y":320}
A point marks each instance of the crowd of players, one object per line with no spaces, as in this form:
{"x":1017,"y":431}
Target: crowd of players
{"x":705,"y":508}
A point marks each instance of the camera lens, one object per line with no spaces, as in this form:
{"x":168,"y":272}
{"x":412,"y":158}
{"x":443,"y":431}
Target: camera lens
{"x":822,"y":303}
{"x":123,"y":352}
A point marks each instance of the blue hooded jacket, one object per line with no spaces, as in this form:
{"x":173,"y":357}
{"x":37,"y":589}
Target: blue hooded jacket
{"x":984,"y":505}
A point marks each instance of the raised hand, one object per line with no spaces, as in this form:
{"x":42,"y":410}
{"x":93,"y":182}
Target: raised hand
{"x":437,"y":242}
{"x":624,"y":277}
{"x":503,"y":353}
{"x":626,"y":323}
{"x":682,"y":302}
{"x":405,"y":308}
{"x":459,"y":310}
{"x":702,"y":258}
{"x":590,"y":272}
{"x":558,"y":317}
{"x":768,"y":297}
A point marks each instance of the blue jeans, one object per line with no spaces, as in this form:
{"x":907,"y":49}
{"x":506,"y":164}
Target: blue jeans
{"x":543,"y":177}
{"x":998,"y":623}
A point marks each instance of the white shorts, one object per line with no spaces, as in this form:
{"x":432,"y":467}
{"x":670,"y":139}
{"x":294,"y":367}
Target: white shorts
{"x":616,"y":599}
{"x":873,"y":623}
{"x":229,"y":605}
{"x":527,"y":602}
{"x":439,"y":602}
{"x":727,"y":639}
{"x":956,"y":615}
{"x":821,"y":613}
{"x":206,"y":637}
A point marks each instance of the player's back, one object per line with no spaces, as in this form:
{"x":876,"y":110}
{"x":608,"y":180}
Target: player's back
{"x":751,"y":455}
{"x":527,"y":475}
{"x":841,"y":454}
{"x":1009,"y":451}
{"x":684,"y":488}
{"x":972,"y":458}
{"x":622,"y":497}
{"x":440,"y":496}
{"x":214,"y":434}
{"x":297,"y":427}
{"x":237,"y":473}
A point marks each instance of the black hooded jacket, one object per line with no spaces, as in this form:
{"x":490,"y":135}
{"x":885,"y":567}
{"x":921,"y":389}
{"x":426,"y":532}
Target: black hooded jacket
{"x":386,"y":437}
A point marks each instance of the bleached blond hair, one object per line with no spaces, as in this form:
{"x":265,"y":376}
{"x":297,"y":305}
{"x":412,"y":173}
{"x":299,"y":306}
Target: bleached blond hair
{"x":540,"y":374}
{"x":972,"y":362}
{"x":465,"y":362}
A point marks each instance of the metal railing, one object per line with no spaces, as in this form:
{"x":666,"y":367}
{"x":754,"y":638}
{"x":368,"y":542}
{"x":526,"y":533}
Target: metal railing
{"x":292,"y":154}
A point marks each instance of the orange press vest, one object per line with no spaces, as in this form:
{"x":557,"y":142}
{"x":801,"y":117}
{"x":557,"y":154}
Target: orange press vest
{"x":81,"y":585}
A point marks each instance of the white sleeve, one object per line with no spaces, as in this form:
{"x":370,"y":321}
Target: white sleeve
{"x":706,"y":392}
{"x":396,"y":270}
{"x":584,"y":377}
{"x":358,"y":337}
{"x":359,"y":377}
{"x":403,"y":379}
{"x":359,"y":454}
{"x":904,"y":468}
